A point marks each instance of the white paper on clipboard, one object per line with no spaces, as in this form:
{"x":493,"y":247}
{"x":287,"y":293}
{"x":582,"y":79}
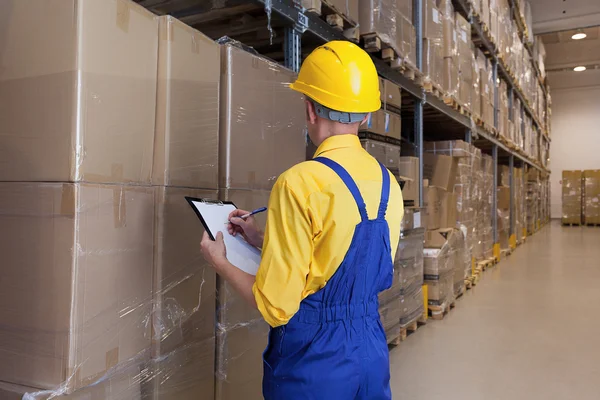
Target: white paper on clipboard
{"x":239,"y":252}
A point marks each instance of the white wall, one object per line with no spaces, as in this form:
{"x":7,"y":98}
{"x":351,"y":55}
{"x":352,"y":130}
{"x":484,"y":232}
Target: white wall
{"x":575,"y":135}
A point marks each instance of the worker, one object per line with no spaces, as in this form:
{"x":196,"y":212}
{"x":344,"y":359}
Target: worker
{"x":332,"y":230}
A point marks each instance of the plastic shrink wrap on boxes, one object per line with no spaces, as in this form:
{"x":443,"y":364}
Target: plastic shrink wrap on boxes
{"x":433,"y":43}
{"x":384,"y":19}
{"x":408,"y":275}
{"x":483,"y":243}
{"x":439,"y":270}
{"x":258,"y":142}
{"x":387,"y":154}
{"x":533,"y":199}
{"x":408,"y":279}
{"x":450,"y":67}
{"x":591,"y":189}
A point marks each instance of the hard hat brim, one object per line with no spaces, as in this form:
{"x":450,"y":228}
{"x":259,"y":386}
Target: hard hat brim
{"x":329,"y":99}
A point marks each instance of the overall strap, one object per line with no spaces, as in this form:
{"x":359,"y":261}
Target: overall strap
{"x":349,"y":182}
{"x":385,"y":192}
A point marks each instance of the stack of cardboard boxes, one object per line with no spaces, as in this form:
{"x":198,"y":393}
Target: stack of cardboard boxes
{"x":464,"y":193}
{"x":484,"y":240}
{"x":503,"y":204}
{"x":433,"y":18}
{"x":591,"y":189}
{"x":250,"y":87}
{"x":385,"y":125}
{"x":402,"y":304}
{"x":137,"y":112}
{"x":519,"y":204}
{"x":572,"y":195}
{"x":449,"y":220}
{"x":533,"y":200}
{"x":77,"y":209}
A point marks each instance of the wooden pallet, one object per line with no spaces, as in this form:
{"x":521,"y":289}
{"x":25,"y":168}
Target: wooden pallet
{"x":434,"y":89}
{"x":336,"y":18}
{"x":505,"y":252}
{"x":592,"y":224}
{"x":474,"y":278}
{"x":571,"y":224}
{"x":373,"y":44}
{"x":468,"y":283}
{"x":463,"y":290}
{"x":439,"y":312}
{"x":485,"y":264}
{"x":486,"y":127}
{"x":455,"y":104}
{"x":407,"y":331}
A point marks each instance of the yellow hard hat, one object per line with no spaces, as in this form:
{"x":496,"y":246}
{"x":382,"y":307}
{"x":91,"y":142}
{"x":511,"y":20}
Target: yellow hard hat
{"x":341,"y":76}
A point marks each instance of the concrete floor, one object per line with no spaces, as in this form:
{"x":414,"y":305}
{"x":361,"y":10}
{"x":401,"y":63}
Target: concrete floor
{"x":529,"y":330}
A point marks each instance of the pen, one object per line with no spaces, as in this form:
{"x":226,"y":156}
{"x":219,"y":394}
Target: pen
{"x":257,"y":211}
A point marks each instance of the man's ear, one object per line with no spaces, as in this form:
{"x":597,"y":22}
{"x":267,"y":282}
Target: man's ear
{"x":311,"y":114}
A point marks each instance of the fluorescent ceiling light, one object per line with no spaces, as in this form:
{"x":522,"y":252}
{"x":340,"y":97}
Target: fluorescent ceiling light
{"x":579,"y":69}
{"x":579,"y":36}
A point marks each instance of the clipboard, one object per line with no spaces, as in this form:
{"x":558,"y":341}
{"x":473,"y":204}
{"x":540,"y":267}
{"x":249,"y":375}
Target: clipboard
{"x":213,"y":215}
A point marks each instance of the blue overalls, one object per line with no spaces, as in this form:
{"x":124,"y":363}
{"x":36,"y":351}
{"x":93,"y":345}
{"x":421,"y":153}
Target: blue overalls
{"x":334,"y":348}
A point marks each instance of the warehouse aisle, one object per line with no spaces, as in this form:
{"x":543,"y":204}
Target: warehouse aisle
{"x":529,"y":330}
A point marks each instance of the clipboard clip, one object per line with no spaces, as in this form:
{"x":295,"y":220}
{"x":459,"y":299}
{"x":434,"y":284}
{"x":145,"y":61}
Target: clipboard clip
{"x":215,"y":202}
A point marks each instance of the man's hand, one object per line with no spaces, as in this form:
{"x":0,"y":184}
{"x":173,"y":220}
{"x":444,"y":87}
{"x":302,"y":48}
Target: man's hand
{"x":214,"y":252}
{"x":248,"y":228}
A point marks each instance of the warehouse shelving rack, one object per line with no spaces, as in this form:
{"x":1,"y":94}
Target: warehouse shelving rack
{"x":422,"y":108}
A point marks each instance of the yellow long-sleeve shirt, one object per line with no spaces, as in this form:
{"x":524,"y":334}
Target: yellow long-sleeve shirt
{"x":310,"y":224}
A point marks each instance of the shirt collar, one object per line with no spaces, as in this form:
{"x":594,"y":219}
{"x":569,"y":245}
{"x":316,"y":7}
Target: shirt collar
{"x":338,"y":142}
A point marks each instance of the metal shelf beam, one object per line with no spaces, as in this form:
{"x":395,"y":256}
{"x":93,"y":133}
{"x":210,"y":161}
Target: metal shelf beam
{"x":307,"y":22}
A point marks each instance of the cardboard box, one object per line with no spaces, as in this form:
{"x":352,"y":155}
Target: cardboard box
{"x":383,"y":123}
{"x":433,"y":61}
{"x":390,"y":93}
{"x":440,"y":170}
{"x":187,"y":112}
{"x":258,"y":141}
{"x":454,"y":148}
{"x":387,"y":154}
{"x":383,"y":18}
{"x":79,"y":100}
{"x":409,"y":260}
{"x":121,"y":385}
{"x":438,"y":238}
{"x":242,"y":333}
{"x":86,"y":252}
{"x":440,"y":288}
{"x":409,"y":168}
{"x":184,"y":302}
{"x":432,"y":197}
{"x":411,"y":306}
{"x":449,"y":29}
{"x":348,"y":8}
{"x":448,"y":216}
{"x":572,"y":191}
{"x":591,"y":180}
{"x":503,"y":199}
{"x":433,"y":19}
{"x":405,"y":7}
{"x":503,"y":175}
{"x":187,"y":373}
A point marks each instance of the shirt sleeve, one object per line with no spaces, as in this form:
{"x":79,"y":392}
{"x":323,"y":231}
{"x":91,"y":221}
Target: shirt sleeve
{"x":286,"y":256}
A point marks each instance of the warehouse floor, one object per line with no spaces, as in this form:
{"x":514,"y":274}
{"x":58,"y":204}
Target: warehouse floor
{"x":528,"y":330}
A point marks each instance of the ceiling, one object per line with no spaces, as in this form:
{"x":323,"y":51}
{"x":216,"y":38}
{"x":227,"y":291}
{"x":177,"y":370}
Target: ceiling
{"x":556,"y":21}
{"x":557,"y":15}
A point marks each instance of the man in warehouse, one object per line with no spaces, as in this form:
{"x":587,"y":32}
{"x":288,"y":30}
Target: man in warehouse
{"x":332,"y":231}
